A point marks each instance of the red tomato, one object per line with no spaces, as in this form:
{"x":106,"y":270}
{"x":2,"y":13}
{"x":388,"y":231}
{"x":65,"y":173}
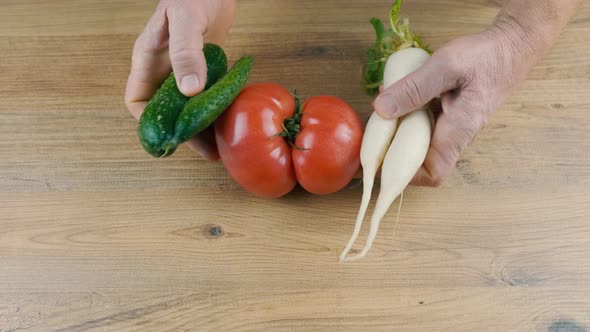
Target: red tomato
{"x":324,"y":154}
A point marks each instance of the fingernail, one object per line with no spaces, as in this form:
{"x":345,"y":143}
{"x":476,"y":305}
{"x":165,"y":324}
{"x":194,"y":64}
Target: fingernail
{"x":189,"y":83}
{"x":385,"y":105}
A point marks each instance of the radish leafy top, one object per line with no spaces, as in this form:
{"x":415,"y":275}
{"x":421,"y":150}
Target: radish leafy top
{"x":395,"y":38}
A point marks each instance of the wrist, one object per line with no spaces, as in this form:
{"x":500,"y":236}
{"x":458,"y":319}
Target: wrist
{"x":533,"y":26}
{"x":526,"y":39}
{"x":520,"y":39}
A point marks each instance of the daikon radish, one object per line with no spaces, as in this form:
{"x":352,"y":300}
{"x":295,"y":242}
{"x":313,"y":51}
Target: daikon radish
{"x":403,"y":159}
{"x":379,"y":131}
{"x":406,"y":153}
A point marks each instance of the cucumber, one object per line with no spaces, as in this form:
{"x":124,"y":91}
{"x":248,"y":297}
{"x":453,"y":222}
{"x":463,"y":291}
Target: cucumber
{"x":202,"y":110}
{"x":157,"y":123}
{"x":216,"y":63}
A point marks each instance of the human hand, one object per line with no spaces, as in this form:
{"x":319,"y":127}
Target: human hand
{"x":173,"y":39}
{"x":473,"y":75}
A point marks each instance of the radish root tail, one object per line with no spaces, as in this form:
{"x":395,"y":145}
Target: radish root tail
{"x":381,"y":208}
{"x":399,"y":209}
{"x":367,"y":189}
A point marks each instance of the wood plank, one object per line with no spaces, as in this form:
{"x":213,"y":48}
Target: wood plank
{"x":342,"y":309}
{"x":177,"y":238}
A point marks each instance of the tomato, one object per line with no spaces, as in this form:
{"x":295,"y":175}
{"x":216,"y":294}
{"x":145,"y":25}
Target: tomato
{"x":268,"y":145}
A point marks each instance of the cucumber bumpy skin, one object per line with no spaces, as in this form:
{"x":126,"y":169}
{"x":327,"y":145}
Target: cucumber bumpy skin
{"x":202,"y":110}
{"x":216,"y":63}
{"x":157,"y":122}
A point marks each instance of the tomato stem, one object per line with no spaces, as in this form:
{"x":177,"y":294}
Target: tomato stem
{"x":292,"y":126}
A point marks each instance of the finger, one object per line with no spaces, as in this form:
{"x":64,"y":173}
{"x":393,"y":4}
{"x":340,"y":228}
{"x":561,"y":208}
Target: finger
{"x":136,"y":108}
{"x":435,"y":77}
{"x":217,"y":33}
{"x":422,"y":178}
{"x":150,"y":63}
{"x":186,"y":50}
{"x":455,"y":129}
{"x":205,"y":145}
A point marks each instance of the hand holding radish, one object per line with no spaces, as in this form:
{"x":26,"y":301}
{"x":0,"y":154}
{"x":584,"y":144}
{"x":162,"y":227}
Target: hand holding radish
{"x":470,"y":91}
{"x":473,"y":76}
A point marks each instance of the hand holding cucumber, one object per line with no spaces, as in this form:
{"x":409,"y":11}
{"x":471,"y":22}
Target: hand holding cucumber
{"x":173,"y":39}
{"x":170,"y":118}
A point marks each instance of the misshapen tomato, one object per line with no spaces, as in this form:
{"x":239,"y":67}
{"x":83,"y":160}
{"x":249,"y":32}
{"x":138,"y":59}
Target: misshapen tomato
{"x":323,"y":155}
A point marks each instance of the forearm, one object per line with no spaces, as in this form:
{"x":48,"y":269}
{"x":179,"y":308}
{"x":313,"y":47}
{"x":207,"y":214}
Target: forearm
{"x":526,"y":29}
{"x":535,"y":23}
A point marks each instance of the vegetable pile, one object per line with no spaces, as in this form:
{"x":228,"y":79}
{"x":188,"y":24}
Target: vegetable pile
{"x":399,"y":147}
{"x":269,"y":143}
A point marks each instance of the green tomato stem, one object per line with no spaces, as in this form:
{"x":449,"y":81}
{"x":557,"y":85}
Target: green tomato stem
{"x":292,"y":125}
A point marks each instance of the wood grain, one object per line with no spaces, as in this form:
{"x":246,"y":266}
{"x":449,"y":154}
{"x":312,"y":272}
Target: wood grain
{"x":97,"y":235}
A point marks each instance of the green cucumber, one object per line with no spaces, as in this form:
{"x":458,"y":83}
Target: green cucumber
{"x":202,"y":110}
{"x":157,"y":123}
{"x":216,"y":63}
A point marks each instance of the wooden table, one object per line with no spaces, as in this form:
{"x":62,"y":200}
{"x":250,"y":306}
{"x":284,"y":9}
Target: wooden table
{"x":97,"y":235}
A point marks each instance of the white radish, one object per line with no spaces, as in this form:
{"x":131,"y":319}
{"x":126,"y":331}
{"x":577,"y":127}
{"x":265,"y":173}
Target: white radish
{"x":404,"y":157}
{"x":405,"y":154}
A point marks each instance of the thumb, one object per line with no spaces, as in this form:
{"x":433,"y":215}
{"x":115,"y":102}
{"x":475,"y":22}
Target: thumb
{"x":186,"y":52}
{"x":417,"y":89}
